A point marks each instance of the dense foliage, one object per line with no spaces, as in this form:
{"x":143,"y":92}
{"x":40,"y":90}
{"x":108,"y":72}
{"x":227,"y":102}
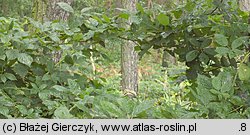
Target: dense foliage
{"x":209,"y":37}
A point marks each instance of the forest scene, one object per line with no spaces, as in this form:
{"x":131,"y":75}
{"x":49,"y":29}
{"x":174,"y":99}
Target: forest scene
{"x":125,"y":59}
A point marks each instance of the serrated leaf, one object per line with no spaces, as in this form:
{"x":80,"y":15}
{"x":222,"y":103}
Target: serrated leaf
{"x":191,"y":55}
{"x":25,"y":59}
{"x":204,"y":82}
{"x":216,"y":82}
{"x":66,"y":7}
{"x":244,"y":72}
{"x":223,"y":82}
{"x":163,"y":19}
{"x":221,"y":39}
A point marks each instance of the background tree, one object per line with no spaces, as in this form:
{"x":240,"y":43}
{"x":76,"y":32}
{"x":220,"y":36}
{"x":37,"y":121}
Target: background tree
{"x":44,"y":10}
{"x":129,"y":59}
{"x":244,"y":5}
{"x":55,"y":12}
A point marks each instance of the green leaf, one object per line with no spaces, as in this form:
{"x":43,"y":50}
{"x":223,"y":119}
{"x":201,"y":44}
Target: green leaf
{"x":223,"y":82}
{"x":190,"y":6}
{"x":22,"y":109}
{"x":10,"y":76}
{"x":124,"y":16}
{"x":4,"y":111}
{"x":25,"y":59}
{"x":204,"y":82}
{"x":203,"y":93}
{"x":86,"y":9}
{"x":12,"y":54}
{"x":66,"y":7}
{"x":177,"y":13}
{"x":3,"y":78}
{"x":69,"y":60}
{"x":221,"y":39}
{"x":194,"y":42}
{"x":216,"y":82}
{"x":60,"y":88}
{"x":54,"y":37}
{"x":111,"y":109}
{"x":215,"y":92}
{"x":106,"y":18}
{"x":21,"y":69}
{"x":144,"y":106}
{"x":244,"y":72}
{"x":62,"y":112}
{"x":224,"y":61}
{"x":163,"y":19}
{"x":139,"y":7}
{"x":206,"y":43}
{"x":88,"y":35}
{"x":203,"y":58}
{"x":210,"y":51}
{"x":78,"y":37}
{"x":222,"y":50}
{"x":191,"y":55}
{"x":237,"y":43}
{"x":11,"y":25}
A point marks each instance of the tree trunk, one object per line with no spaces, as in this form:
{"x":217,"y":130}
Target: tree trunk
{"x":164,"y":60}
{"x":244,"y":5}
{"x":129,"y":60}
{"x":54,"y":12}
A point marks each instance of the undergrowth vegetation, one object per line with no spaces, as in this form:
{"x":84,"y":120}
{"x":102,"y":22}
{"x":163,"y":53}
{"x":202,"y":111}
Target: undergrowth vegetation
{"x":210,"y":79}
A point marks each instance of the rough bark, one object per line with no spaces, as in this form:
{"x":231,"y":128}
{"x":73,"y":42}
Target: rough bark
{"x":244,"y":5}
{"x":54,"y":12}
{"x":164,"y":60}
{"x":129,"y":60}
